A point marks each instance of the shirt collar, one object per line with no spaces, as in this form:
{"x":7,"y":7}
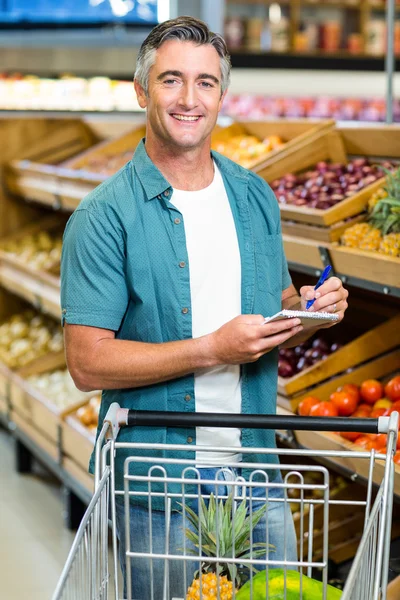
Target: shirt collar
{"x":154,"y":182}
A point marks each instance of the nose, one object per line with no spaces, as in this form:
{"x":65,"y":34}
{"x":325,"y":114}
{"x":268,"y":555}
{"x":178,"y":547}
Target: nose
{"x":188,"y":96}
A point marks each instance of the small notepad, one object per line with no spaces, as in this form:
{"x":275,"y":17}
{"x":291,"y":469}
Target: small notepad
{"x":308,"y":319}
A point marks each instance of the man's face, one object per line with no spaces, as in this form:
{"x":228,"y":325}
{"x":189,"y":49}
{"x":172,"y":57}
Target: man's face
{"x":184,"y":94}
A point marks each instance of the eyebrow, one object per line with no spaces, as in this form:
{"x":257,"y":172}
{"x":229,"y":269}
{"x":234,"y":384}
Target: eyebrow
{"x":180,"y":74}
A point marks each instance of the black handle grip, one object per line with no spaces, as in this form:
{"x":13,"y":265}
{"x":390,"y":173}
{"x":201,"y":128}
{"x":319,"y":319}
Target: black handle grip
{"x":188,"y":419}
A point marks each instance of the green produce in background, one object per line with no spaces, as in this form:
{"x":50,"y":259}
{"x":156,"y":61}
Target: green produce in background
{"x":311,"y":589}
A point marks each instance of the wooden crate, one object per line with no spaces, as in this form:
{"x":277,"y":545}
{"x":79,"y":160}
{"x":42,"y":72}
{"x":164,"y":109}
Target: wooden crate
{"x":34,"y":175}
{"x":79,"y":474}
{"x":336,"y":146}
{"x":32,"y":405}
{"x":332,"y":442}
{"x":375,"y":369}
{"x":38,"y":287}
{"x":4,"y":383}
{"x":304,"y":251}
{"x":75,"y":180}
{"x":36,"y":435}
{"x":316,"y":233}
{"x":370,"y":344}
{"x":371,"y":266}
{"x":294,"y":133}
{"x":4,"y":407}
{"x":77,"y":440}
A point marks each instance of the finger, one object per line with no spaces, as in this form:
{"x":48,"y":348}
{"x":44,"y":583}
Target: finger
{"x":333,"y":284}
{"x":327,"y":300}
{"x":338,"y":307}
{"x":273,"y":341}
{"x":271,"y":329}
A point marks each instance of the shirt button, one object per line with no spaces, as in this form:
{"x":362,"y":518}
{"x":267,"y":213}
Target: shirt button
{"x":189,"y":440}
{"x":64,"y":310}
{"x":188,"y":397}
{"x":182,"y":264}
{"x":166,"y":193}
{"x":177,"y":221}
{"x":185,"y":311}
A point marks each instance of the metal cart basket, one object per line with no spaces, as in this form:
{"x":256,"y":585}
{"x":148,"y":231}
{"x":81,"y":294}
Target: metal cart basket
{"x":92,"y":572}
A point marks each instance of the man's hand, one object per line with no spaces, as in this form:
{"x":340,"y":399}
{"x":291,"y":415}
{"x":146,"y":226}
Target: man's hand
{"x":330,"y":297}
{"x":246,"y":338}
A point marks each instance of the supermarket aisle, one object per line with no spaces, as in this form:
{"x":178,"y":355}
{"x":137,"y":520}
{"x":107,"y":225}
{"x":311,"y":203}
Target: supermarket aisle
{"x":34,"y":542}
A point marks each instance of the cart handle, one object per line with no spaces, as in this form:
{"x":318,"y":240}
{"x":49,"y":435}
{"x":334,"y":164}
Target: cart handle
{"x":135,"y":418}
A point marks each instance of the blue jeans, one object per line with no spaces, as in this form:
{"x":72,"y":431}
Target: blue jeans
{"x":281,"y":534}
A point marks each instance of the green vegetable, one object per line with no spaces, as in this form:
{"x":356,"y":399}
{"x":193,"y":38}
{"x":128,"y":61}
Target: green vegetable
{"x":311,"y":589}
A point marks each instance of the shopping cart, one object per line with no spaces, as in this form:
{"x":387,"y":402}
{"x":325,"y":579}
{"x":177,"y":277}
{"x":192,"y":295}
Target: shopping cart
{"x":91,"y":574}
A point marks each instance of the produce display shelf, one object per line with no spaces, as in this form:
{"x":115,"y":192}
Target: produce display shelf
{"x":338,"y":145}
{"x":310,"y":441}
{"x":64,"y":185}
{"x":306,"y":61}
{"x":50,"y":463}
{"x":367,"y":344}
{"x":311,"y":257}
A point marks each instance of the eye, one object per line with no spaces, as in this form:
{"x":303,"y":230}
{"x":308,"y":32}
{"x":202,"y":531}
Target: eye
{"x":170,"y":81}
{"x":206,"y":84}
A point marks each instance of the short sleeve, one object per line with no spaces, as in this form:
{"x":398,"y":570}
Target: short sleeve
{"x":93,"y":284}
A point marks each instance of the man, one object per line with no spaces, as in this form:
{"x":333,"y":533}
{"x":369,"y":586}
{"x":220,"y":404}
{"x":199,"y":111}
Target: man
{"x":168,"y":269}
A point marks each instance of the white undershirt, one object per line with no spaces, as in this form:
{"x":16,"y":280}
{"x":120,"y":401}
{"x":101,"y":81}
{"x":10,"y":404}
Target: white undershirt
{"x":215,"y":287}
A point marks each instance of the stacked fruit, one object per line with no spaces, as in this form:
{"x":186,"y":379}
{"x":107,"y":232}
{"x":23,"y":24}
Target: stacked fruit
{"x":327,"y":184}
{"x":108,"y":164}
{"x":371,"y":399}
{"x":246,"y":149}
{"x":88,"y":415}
{"x":57,"y":386}
{"x":294,"y":360}
{"x":382,"y":231}
{"x":27,"y":336}
{"x":40,"y":251}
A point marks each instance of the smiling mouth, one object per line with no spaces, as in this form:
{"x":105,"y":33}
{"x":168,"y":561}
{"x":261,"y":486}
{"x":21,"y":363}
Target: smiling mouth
{"x":186,"y":118}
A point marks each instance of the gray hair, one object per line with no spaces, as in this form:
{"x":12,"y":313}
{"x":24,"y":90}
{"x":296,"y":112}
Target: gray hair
{"x":186,"y":29}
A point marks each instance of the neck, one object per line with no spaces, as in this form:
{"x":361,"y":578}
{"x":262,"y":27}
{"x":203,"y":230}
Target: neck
{"x":185,"y":169}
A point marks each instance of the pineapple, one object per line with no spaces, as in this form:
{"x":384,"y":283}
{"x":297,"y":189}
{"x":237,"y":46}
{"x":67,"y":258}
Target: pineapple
{"x":382,"y":231}
{"x":223,"y":538}
{"x":385,"y":215}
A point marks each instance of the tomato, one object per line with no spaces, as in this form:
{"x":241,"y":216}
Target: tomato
{"x":345,"y":402}
{"x":365,"y":407}
{"x":381,"y":440}
{"x":361,"y":414}
{"x":306,"y":404}
{"x":366,"y":441}
{"x":352,"y":436}
{"x":378,"y":412}
{"x":392,"y":388}
{"x":396,"y":406}
{"x":396,"y":458}
{"x":324,"y":409}
{"x":352,"y":389}
{"x":371,"y":390}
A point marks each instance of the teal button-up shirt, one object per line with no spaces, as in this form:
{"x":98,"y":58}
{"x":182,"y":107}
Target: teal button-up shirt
{"x":120,"y":271}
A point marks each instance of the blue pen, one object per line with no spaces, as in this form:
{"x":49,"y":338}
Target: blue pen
{"x":321,"y":280}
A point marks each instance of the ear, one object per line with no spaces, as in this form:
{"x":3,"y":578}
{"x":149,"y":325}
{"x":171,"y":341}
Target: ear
{"x":140,"y":93}
{"x":221,"y":100}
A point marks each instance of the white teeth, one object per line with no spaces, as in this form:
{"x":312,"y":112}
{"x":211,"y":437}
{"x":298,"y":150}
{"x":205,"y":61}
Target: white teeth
{"x":185,"y":118}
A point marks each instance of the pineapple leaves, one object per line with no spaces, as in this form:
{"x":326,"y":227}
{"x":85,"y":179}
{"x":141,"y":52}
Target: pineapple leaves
{"x":221,"y":532}
{"x":385,"y":215}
